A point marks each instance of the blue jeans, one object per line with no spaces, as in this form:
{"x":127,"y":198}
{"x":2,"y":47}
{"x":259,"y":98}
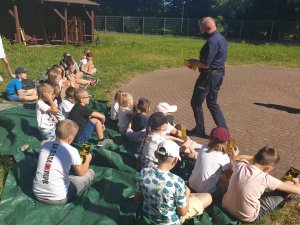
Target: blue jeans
{"x":87,"y":132}
{"x":207,"y":87}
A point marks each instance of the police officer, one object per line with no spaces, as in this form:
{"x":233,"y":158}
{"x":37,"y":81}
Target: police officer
{"x":211,"y":66}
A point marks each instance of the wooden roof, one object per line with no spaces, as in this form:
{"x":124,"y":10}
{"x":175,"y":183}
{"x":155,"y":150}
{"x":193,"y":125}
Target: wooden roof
{"x":81,"y":2}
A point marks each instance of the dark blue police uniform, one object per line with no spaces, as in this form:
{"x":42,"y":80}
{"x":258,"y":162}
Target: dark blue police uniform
{"x":213,"y":53}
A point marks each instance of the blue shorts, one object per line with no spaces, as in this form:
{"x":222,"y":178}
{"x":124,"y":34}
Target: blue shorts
{"x":13,"y":98}
{"x":87,"y":132}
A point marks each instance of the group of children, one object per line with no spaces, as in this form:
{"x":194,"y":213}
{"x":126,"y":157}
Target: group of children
{"x":220,"y":173}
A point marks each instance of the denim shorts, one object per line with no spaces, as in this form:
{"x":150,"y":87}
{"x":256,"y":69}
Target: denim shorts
{"x":13,"y":98}
{"x":87,"y":132}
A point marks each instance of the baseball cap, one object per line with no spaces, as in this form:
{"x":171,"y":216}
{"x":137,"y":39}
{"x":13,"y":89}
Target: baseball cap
{"x":20,"y":70}
{"x":156,"y":120}
{"x":66,"y":54}
{"x":220,"y":135}
{"x":168,"y":148}
{"x":165,"y":108}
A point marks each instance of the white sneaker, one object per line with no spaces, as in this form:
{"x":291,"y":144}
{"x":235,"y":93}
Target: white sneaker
{"x":1,"y":79}
{"x":105,"y":142}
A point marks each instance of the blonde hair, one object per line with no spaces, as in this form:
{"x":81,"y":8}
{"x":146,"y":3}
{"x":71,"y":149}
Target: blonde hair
{"x":218,"y":147}
{"x":79,"y":94}
{"x":124,"y":100}
{"x":52,"y":75}
{"x":44,"y":88}
{"x":86,"y":50}
{"x":66,"y":128}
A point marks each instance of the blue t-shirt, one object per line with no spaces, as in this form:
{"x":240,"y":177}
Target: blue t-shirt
{"x":13,"y":86}
{"x":163,"y":191}
{"x":214,"y":51}
{"x":139,"y":122}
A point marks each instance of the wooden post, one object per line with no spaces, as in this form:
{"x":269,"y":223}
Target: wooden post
{"x":16,"y":16}
{"x":66,"y":26}
{"x":91,"y":16}
{"x":92,"y":25}
{"x":76,"y":30}
{"x":65,"y":19}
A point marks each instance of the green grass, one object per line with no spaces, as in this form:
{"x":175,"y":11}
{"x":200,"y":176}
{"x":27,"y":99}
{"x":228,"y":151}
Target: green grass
{"x":121,"y":56}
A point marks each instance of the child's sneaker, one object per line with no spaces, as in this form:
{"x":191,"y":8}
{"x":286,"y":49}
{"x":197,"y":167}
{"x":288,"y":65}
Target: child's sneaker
{"x":94,"y":82}
{"x":105,"y":142}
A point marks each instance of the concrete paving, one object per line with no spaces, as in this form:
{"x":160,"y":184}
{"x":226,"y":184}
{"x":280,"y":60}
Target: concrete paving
{"x":261,"y":106}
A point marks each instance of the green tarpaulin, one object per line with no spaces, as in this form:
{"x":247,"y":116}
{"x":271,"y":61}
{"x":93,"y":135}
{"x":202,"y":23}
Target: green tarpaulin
{"x":109,"y":200}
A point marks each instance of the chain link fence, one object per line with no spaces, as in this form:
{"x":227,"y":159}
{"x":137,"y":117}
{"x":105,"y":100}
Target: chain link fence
{"x":233,"y":29}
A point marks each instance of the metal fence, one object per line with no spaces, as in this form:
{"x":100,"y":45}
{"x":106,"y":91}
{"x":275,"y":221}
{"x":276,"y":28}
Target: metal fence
{"x":233,"y":29}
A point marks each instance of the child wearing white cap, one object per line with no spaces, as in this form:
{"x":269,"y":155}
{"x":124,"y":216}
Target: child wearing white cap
{"x":167,"y":109}
{"x":164,"y":194}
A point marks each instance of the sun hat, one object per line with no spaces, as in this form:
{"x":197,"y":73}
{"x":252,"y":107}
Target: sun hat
{"x":165,"y":108}
{"x":168,"y":148}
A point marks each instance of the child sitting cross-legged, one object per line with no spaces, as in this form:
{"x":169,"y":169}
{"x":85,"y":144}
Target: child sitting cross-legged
{"x":246,"y":198}
{"x":66,"y":105}
{"x":45,"y":112}
{"x":87,"y":119}
{"x":212,"y":161}
{"x":166,"y":198}
{"x":52,"y":183}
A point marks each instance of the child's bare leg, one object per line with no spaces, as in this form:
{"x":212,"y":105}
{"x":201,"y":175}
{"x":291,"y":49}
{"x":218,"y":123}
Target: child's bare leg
{"x":7,"y":65}
{"x":28,"y":98}
{"x":98,"y":128}
{"x":30,"y":92}
{"x":82,"y":81}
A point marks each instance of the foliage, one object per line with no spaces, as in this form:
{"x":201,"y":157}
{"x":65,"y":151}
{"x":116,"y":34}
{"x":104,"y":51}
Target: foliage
{"x":120,"y":56}
{"x":278,"y":10}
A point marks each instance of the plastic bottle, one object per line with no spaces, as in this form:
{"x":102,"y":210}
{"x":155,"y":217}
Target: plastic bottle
{"x":183,"y":132}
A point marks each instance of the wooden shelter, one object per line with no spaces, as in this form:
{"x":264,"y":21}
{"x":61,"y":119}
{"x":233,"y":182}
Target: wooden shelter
{"x":47,"y":21}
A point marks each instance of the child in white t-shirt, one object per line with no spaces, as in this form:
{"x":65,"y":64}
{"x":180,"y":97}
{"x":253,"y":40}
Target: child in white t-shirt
{"x":45,"y":112}
{"x":212,"y":161}
{"x":125,"y":112}
{"x":156,"y":127}
{"x":66,"y":105}
{"x":115,"y":106}
{"x":52,"y":183}
{"x":83,"y":60}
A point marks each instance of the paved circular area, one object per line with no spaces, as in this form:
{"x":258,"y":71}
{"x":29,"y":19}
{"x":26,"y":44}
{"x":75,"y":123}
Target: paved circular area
{"x":261,"y":106}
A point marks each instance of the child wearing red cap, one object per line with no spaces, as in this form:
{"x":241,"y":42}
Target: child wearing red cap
{"x":212,"y":160}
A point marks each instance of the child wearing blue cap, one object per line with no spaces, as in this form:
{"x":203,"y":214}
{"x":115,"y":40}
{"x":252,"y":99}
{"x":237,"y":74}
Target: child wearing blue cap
{"x":15,"y":91}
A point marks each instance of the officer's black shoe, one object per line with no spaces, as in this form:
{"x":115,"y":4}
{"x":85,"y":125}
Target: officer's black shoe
{"x":194,"y":132}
